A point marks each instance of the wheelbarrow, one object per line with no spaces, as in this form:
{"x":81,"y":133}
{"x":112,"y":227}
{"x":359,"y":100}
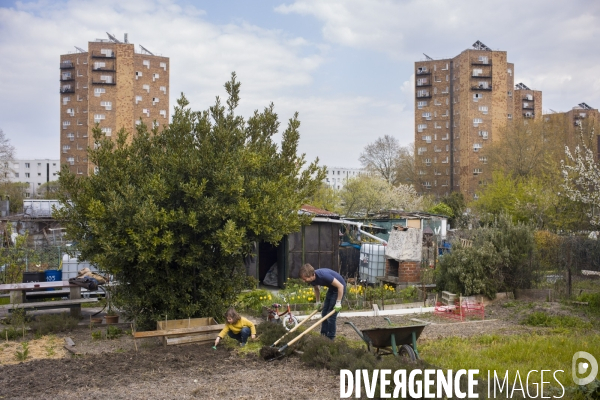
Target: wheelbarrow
{"x":401,"y":339}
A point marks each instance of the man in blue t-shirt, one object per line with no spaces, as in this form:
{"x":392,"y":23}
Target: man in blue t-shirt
{"x":336,"y":288}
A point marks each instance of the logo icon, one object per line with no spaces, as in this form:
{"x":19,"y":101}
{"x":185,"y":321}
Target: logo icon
{"x":590,"y":366}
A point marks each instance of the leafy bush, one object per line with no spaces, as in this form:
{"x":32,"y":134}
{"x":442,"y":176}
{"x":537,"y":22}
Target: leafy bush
{"x":254,"y":300}
{"x":9,"y":333}
{"x":53,"y":323}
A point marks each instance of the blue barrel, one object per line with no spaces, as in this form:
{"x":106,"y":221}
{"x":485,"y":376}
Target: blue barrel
{"x":53,"y":275}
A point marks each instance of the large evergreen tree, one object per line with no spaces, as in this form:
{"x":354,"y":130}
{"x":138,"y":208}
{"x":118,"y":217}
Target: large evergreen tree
{"x":172,"y":214}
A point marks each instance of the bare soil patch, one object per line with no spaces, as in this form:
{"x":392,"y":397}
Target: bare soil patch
{"x":114,"y":369}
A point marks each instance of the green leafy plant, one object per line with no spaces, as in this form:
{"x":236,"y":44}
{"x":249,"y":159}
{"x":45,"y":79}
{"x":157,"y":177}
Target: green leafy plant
{"x":255,"y":300}
{"x":9,"y":333}
{"x":113,"y":332}
{"x":97,"y":335}
{"x":21,"y":355}
{"x":555,"y":321}
{"x":159,"y":215}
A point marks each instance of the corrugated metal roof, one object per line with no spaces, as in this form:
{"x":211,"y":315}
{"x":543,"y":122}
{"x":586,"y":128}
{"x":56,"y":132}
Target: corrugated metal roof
{"x":306,"y":208}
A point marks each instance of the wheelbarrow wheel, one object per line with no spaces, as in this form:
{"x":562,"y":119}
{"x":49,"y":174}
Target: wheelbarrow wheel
{"x":407,"y":353}
{"x":289,"y":322}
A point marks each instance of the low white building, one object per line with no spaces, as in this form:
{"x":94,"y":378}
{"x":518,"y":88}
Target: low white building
{"x":337,"y":177}
{"x":34,"y":172}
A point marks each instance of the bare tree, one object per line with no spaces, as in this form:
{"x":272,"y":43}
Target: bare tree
{"x":405,"y":165}
{"x":381,"y":158}
{"x":7,"y":155}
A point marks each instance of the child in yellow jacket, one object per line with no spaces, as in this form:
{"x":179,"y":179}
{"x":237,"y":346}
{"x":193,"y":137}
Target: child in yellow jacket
{"x":237,"y":327}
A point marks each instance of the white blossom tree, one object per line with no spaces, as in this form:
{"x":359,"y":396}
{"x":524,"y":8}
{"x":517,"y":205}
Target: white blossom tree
{"x":7,"y":154}
{"x":582,"y":177}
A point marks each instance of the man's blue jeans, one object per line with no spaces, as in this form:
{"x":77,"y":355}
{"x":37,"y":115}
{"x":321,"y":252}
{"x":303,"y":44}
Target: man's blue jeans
{"x":328,"y":327}
{"x":241,"y":337}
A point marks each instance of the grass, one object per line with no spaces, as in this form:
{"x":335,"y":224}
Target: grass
{"x":524,"y":353}
{"x":555,"y":321}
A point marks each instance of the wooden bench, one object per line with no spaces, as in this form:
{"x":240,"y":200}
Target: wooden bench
{"x":73,"y":304}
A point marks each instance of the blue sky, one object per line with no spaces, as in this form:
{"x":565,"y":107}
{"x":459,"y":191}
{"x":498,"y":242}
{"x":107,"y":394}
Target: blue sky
{"x":345,"y":65}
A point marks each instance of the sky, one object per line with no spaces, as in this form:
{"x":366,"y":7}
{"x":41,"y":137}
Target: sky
{"x":346,"y":66}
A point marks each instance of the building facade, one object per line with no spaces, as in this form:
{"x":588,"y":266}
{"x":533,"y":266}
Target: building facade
{"x":113,"y":86}
{"x":337,"y":177}
{"x":34,"y":173}
{"x":581,"y":118}
{"x":461,"y":104}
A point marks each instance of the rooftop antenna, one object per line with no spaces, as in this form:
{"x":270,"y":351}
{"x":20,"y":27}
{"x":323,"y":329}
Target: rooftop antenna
{"x":480,"y":46}
{"x":585,"y":106}
{"x":79,"y":49}
{"x":427,"y":57}
{"x":112,"y":38}
{"x":125,"y":40}
{"x":521,"y":86}
{"x":145,"y":50}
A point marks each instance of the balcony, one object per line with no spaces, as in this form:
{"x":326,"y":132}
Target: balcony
{"x":488,"y":62}
{"x":66,"y":65}
{"x":527,"y":107}
{"x":67,"y":90}
{"x":66,"y":78}
{"x":423,"y":72}
{"x":425,"y":95}
{"x":482,"y":76}
{"x":103,"y":82}
{"x":528,"y":115}
{"x":102,"y":55}
{"x":423,"y":84}
{"x":105,"y":69}
{"x":481,"y":87}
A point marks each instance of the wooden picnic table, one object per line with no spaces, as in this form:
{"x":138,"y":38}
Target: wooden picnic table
{"x":18,"y":300}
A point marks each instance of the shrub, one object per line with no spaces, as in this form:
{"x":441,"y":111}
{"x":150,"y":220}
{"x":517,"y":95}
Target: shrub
{"x":562,"y":321}
{"x":254,"y":300}
{"x":9,"y":333}
{"x":53,"y":323}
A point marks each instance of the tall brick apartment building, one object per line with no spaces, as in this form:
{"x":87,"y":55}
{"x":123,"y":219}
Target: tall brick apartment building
{"x":460,"y":106}
{"x":113,"y":85}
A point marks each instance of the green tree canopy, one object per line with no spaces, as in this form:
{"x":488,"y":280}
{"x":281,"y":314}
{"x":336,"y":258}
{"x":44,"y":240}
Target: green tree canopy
{"x":172,"y":214}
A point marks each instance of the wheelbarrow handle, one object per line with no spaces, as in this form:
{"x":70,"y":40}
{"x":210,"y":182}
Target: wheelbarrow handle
{"x":294,"y":328}
{"x":310,"y":328}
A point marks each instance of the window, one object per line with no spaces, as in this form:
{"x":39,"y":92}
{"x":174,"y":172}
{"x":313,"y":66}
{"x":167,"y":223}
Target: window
{"x":422,"y":93}
{"x":99,"y":91}
{"x":483,"y":160}
{"x":27,"y":194}
{"x":27,"y":175}
{"x":427,"y":115}
{"x":71,"y":160}
{"x":107,"y":52}
{"x":66,"y":124}
{"x":107,"y":131}
{"x":509,"y":93}
{"x":99,"y":64}
{"x":106,"y":104}
{"x":483,"y":134}
{"x":477,"y":121}
{"x":483,"y":59}
{"x":420,"y":127}
{"x":529,"y":97}
{"x":477,"y":146}
{"x":421,"y":104}
{"x":106,"y":78}
{"x":421,"y":150}
{"x":427,"y":185}
{"x":138,"y":99}
{"x":422,"y":81}
{"x":71,"y":112}
{"x":154,"y":101}
{"x":99,"y":117}
{"x":66,"y":148}
{"x":483,"y":85}
{"x":39,"y":174}
{"x":445,"y":68}
{"x":146,"y":88}
{"x":163,"y":65}
{"x":70,"y":136}
{"x":445,"y":160}
{"x":477,"y":71}
{"x":509,"y":71}
{"x":146,"y":63}
{"x":155,"y":77}
{"x":66,"y":99}
{"x":163,"y":113}
{"x":146,"y":111}
{"x":509,"y":116}
{"x":477,"y":171}
{"x":446,"y":91}
{"x":477,"y":96}
{"x":163,"y":89}
{"x":421,"y":70}
{"x":483,"y":109}
{"x":427,"y":138}
{"x":525,"y":105}
{"x":428,"y":162}
{"x":137,"y":74}
{"x":16,"y":174}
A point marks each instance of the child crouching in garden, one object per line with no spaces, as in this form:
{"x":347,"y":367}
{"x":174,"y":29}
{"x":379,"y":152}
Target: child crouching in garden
{"x":236,"y":327}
